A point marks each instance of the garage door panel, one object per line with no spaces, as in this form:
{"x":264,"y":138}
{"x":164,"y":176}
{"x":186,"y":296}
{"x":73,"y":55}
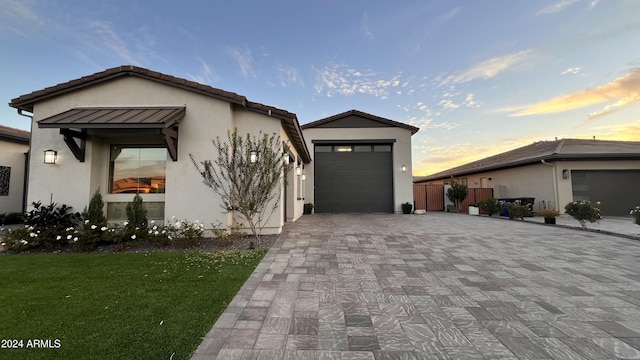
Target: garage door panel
{"x":353,"y":182}
{"x":617,"y":190}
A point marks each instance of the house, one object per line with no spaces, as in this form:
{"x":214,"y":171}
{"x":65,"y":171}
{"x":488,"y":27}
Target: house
{"x":128,"y":130}
{"x":14,"y":147}
{"x":558,"y":172}
{"x":361,"y":163}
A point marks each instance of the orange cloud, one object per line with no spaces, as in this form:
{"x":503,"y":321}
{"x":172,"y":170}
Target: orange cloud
{"x":623,"y":91}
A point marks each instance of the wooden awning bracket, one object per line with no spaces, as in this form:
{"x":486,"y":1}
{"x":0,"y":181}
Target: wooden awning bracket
{"x":70,"y":137}
{"x":171,"y":140}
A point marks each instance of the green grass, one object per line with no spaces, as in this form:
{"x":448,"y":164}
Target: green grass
{"x":117,"y":306}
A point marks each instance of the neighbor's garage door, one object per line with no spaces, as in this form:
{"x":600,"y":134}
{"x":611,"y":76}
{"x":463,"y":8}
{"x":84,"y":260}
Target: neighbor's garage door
{"x":353,"y":178}
{"x":617,"y":190}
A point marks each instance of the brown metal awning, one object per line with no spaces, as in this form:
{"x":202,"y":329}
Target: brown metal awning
{"x":166,"y":119}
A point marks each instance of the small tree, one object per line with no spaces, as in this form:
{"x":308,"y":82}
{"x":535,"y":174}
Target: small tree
{"x":457,"y":193}
{"x":95,"y":212}
{"x":247,"y":174}
{"x":136,"y":214}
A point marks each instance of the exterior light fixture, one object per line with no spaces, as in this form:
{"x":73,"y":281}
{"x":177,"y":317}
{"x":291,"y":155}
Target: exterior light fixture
{"x":298,"y":171}
{"x":253,"y":157}
{"x":286,"y":159}
{"x":50,"y":156}
{"x":404,"y":168}
{"x":304,"y":176}
{"x":565,"y":174}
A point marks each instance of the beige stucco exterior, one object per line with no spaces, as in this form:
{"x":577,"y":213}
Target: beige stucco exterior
{"x":72,"y":182}
{"x":544,"y":181}
{"x":402,"y":181}
{"x":12,"y":154}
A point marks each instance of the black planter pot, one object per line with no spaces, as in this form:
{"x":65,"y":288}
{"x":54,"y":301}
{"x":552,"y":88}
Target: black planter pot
{"x":406,"y":208}
{"x":550,"y":221}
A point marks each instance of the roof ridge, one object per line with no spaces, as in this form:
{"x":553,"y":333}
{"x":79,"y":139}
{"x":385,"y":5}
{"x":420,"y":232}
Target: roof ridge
{"x":559,"y":147}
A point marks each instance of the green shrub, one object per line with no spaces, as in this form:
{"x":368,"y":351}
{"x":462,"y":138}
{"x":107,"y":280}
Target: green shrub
{"x":308,"y":207}
{"x":583,"y":211}
{"x":51,"y":216}
{"x":549,"y":213}
{"x":136,"y":224}
{"x":95,"y":212}
{"x":13,"y":218}
{"x":490,"y":206}
{"x":517,"y":210}
{"x":185,"y":233}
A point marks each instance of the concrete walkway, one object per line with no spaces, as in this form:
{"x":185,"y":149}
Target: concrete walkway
{"x":435,"y":286}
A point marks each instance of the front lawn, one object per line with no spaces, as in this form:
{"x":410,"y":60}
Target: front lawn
{"x":116,"y":306}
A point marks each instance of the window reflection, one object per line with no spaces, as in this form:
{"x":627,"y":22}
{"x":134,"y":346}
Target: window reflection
{"x":137,"y":170}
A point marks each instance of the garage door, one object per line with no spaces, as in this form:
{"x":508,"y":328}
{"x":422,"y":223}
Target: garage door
{"x":617,"y":190}
{"x":353,"y":178}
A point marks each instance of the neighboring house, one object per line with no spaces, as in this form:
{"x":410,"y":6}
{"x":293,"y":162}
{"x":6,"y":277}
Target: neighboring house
{"x":14,"y":148}
{"x":361,"y":163}
{"x":558,"y":172}
{"x":130,"y":130}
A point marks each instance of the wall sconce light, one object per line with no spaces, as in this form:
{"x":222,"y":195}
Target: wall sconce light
{"x":404,"y":168}
{"x":298,"y":171}
{"x":304,"y":177}
{"x":565,"y":174}
{"x":286,"y":159}
{"x":253,"y":157}
{"x":50,"y":156}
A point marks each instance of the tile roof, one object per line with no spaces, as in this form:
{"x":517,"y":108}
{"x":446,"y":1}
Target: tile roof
{"x":14,"y":134}
{"x":289,"y":120}
{"x":564,"y":149}
{"x":345,"y":114}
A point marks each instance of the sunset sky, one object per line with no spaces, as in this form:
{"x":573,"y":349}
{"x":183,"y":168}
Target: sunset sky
{"x":477,"y":77}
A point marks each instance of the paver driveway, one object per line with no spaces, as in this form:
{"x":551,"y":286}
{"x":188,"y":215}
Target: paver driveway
{"x":440,"y":286}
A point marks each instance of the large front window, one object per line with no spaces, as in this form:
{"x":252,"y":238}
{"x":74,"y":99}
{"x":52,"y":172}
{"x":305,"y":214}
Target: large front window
{"x":137,"y":169}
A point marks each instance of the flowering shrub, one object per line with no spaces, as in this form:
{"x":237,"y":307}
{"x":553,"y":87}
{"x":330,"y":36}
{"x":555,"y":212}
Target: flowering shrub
{"x":517,"y":210}
{"x":184,"y":232}
{"x":584,"y":211}
{"x":636,"y":214}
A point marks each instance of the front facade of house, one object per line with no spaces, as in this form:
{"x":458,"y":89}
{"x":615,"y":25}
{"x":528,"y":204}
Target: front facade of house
{"x":129,"y":130}
{"x":558,"y":172}
{"x":14,"y":146}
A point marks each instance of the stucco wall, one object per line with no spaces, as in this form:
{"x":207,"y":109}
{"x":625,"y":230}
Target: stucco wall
{"x":12,"y":154}
{"x":542,"y":181}
{"x":72,"y":182}
{"x":402,"y":181}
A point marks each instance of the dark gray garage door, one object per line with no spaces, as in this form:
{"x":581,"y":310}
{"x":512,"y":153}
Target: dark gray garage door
{"x":353,"y":178}
{"x":617,"y":190}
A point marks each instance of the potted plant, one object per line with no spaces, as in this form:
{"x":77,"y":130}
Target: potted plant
{"x":636,"y":214}
{"x":456,"y":193}
{"x":308,"y":207}
{"x":549,"y":216}
{"x":406,"y":208}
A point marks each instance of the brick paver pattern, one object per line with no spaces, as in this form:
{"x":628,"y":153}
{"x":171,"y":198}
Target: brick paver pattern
{"x":440,"y":286}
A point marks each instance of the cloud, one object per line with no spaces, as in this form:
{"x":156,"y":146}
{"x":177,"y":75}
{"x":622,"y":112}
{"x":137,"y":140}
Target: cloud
{"x":448,"y":104}
{"x":244,"y":59}
{"x":112,"y":41}
{"x":573,"y":70}
{"x":470,"y":101}
{"x":558,"y":7}
{"x":488,"y":68}
{"x":624,"y":91}
{"x":289,"y":75}
{"x":20,"y":10}
{"x":624,"y":132}
{"x":206,"y":76}
{"x":366,"y":29}
{"x":339,"y":79}
{"x":450,"y":15}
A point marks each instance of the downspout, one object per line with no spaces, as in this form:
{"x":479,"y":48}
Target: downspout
{"x":555,"y":183}
{"x":27,"y":160}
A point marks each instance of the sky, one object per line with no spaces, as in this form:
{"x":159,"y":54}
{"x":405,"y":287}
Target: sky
{"x":477,"y":77}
